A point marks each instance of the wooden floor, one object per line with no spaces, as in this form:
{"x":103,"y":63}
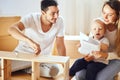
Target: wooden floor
{"x":20,"y":75}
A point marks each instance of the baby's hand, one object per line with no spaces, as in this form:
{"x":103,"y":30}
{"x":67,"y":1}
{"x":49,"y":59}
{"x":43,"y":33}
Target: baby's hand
{"x":78,"y":45}
{"x":96,"y":54}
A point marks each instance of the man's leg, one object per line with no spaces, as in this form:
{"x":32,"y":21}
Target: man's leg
{"x":49,"y":70}
{"x":46,"y":70}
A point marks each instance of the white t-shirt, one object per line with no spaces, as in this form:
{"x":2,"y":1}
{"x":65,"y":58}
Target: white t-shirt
{"x":34,"y":31}
{"x":105,"y":41}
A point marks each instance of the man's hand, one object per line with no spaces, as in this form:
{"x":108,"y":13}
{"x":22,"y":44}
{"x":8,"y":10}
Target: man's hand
{"x":35,"y":46}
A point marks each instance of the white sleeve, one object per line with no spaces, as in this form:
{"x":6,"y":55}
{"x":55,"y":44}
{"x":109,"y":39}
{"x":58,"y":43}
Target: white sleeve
{"x":112,"y":55}
{"x":105,"y":41}
{"x":61,"y":29}
{"x":27,"y":20}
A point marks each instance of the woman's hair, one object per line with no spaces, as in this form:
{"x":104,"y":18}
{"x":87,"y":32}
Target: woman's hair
{"x":46,"y":3}
{"x":115,"y":5}
{"x":117,"y":41}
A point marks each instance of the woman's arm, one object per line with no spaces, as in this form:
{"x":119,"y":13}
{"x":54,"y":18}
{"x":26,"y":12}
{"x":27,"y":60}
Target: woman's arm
{"x":100,"y":54}
{"x":112,"y":55}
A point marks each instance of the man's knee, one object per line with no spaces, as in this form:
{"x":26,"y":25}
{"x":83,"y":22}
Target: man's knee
{"x":48,"y":70}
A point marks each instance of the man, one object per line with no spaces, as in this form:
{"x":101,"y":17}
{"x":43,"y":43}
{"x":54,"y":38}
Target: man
{"x":40,"y":32}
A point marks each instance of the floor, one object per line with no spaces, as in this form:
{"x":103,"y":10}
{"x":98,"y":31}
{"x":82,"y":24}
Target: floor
{"x":20,"y":75}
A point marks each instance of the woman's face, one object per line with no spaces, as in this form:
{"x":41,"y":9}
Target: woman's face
{"x":109,"y":14}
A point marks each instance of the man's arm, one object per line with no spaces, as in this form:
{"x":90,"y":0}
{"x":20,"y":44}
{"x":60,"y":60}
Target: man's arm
{"x":61,"y":46}
{"x":16,"y":31}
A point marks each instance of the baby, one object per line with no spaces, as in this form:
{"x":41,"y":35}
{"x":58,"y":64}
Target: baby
{"x":98,"y":29}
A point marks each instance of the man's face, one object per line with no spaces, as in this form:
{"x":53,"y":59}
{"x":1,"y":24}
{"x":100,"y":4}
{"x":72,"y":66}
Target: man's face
{"x":52,"y":14}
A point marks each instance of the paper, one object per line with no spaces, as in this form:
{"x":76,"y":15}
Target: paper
{"x":88,"y":44}
{"x":83,"y":36}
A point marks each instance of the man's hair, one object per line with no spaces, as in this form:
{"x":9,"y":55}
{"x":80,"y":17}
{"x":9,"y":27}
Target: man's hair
{"x":46,"y":3}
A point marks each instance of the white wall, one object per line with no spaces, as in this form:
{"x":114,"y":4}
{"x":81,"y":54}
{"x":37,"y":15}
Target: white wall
{"x":18,"y":7}
{"x":77,"y":14}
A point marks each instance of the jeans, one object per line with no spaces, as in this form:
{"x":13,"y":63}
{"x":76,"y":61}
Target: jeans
{"x":107,"y":73}
{"x":80,"y":75}
{"x":92,"y":68}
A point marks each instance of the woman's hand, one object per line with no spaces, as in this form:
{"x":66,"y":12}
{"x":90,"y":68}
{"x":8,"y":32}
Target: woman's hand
{"x":99,"y":54}
{"x":96,"y":54}
{"x":78,"y":45}
{"x":89,"y":57}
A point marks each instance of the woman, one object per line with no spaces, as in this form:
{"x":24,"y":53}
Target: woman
{"x":111,"y":17}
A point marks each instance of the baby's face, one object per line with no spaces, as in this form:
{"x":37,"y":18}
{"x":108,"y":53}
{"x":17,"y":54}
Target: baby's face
{"x":98,"y":30}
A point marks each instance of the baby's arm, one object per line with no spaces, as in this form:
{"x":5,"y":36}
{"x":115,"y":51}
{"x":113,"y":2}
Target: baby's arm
{"x":104,"y":47}
{"x":103,"y":53}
